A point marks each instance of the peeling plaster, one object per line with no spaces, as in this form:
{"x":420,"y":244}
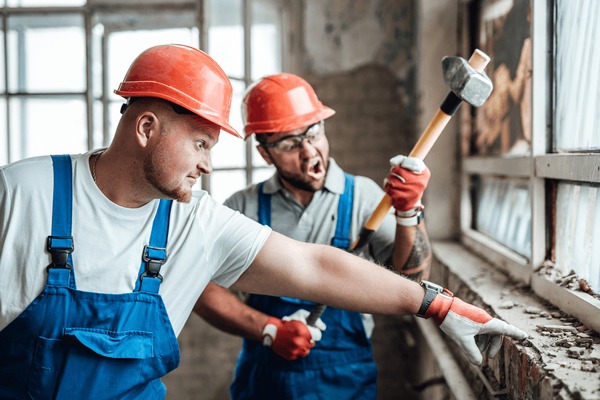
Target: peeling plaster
{"x":351,"y":33}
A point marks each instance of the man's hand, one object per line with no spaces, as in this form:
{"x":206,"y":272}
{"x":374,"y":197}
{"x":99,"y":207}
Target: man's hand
{"x":406,"y":182}
{"x":473,"y":329}
{"x":290,"y":337}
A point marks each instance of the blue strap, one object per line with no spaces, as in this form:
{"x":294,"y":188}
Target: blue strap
{"x":60,"y":243}
{"x":155,"y":253}
{"x":341,"y":239}
{"x":63,"y":196}
{"x":264,"y":206}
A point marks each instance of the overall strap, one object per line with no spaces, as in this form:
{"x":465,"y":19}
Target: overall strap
{"x":341,"y":239}
{"x":155,"y":253}
{"x":60,"y":243}
{"x":264,"y":206}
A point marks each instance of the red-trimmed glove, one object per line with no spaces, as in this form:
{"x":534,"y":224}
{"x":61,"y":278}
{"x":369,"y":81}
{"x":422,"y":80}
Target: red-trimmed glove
{"x":473,"y":329}
{"x":406,"y":182}
{"x":290,"y":337}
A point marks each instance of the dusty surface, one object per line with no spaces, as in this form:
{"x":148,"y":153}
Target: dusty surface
{"x":566,"y":351}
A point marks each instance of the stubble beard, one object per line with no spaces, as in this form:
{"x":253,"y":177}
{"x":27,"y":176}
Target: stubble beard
{"x":303,"y":183}
{"x":154,"y":164}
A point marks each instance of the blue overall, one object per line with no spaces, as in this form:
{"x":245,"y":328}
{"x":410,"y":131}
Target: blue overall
{"x":340,"y":366}
{"x":70,"y":344}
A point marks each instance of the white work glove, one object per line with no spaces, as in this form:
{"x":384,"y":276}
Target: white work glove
{"x":470,"y":327}
{"x":290,"y":337}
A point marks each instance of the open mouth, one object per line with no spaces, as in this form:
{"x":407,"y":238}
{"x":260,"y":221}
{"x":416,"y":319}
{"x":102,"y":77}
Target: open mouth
{"x":315,"y":169}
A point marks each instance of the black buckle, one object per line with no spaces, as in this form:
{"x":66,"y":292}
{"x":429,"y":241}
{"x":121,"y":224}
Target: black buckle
{"x":154,"y":257}
{"x":59,"y":248}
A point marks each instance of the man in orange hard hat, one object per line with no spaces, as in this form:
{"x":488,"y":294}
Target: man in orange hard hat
{"x":104,"y":254}
{"x":311,"y":199}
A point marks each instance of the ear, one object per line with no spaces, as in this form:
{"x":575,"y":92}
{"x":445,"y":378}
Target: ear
{"x":146,"y":125}
{"x":265,"y":154}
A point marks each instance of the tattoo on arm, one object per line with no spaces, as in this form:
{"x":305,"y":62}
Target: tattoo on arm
{"x":419,"y":259}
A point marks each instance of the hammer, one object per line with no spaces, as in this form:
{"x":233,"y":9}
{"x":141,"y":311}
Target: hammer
{"x":467,"y":82}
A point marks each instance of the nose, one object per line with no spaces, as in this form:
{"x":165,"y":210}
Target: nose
{"x":205,"y":165}
{"x":307,"y":148}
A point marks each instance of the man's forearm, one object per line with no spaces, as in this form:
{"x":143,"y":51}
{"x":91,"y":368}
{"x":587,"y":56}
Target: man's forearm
{"x":330,"y":276}
{"x":225,"y":311}
{"x":412,"y":252}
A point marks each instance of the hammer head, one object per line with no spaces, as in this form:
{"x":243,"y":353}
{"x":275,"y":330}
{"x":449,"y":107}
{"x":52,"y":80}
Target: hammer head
{"x":468,"y":84}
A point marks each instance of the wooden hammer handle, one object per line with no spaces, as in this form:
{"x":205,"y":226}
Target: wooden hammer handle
{"x":478,"y":61}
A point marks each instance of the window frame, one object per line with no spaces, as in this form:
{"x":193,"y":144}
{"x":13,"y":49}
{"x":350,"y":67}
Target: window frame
{"x":98,"y":101}
{"x":543,"y":169}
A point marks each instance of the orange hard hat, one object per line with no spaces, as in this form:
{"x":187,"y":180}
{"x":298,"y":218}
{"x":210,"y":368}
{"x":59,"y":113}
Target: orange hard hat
{"x":185,"y":76}
{"x":281,"y":103}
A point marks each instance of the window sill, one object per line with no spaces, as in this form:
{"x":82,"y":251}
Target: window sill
{"x":560,"y":359}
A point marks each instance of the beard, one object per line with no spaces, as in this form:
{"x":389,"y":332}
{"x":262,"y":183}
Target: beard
{"x":303,"y":181}
{"x":302,"y":184}
{"x":154,"y":164}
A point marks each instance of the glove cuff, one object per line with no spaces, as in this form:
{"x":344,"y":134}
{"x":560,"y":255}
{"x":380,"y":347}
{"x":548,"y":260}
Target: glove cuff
{"x":269,"y":332}
{"x":440,"y":306}
{"x":411,"y":217}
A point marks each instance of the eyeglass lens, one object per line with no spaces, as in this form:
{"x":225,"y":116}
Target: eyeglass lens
{"x":291,"y":143}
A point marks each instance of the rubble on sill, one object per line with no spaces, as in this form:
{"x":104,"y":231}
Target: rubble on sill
{"x":564,"y":351}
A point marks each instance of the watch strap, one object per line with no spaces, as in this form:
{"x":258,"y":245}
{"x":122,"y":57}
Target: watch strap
{"x":431,"y":290}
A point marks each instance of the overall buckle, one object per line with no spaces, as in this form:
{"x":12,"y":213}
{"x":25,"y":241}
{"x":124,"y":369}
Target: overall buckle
{"x":154,"y":257}
{"x":59,"y":248}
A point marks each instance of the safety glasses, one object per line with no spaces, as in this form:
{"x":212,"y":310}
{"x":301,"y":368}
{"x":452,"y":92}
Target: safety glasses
{"x":291,"y":143}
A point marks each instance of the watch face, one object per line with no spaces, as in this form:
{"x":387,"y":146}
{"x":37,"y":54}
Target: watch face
{"x":432,"y":286}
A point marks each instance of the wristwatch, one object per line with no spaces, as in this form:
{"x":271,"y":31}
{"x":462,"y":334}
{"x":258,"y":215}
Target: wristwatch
{"x":431,"y":290}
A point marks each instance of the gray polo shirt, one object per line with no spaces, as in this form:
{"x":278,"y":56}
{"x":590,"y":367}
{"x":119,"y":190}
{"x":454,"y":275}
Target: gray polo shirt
{"x":316,"y":223}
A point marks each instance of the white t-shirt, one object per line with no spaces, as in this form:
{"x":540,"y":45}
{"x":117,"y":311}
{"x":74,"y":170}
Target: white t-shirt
{"x":207,"y":241}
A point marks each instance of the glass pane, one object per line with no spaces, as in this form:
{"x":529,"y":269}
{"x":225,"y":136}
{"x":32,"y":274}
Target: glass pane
{"x":226,"y":36}
{"x":114,"y":115}
{"x":231,"y":151}
{"x":578,"y":232}
{"x":98,"y":139}
{"x":503,"y":212}
{"x":3,"y":133}
{"x":577,"y":80}
{"x":46,"y":53}
{"x":44,"y":3}
{"x":266,"y":39}
{"x":225,"y":183}
{"x":47,"y":126}
{"x":2,"y":61}
{"x":503,"y":124}
{"x":262,"y":174}
{"x":124,"y":47}
{"x":235,"y":116}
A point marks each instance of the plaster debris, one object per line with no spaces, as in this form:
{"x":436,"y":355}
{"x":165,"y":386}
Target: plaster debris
{"x":507,"y":305}
{"x":575,"y":352}
{"x":551,"y":366}
{"x":557,"y":328}
{"x":570,"y":280}
{"x":533,"y":310}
